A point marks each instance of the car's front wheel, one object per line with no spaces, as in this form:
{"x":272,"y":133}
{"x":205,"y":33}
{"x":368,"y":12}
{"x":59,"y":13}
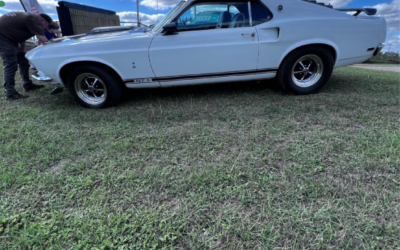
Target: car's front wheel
{"x":306,"y":70}
{"x":94,"y":87}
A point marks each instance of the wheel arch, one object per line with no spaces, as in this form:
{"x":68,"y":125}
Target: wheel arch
{"x":69,"y":66}
{"x":332,"y":49}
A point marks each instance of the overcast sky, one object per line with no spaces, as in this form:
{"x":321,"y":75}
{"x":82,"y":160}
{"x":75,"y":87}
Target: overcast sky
{"x":153,"y":10}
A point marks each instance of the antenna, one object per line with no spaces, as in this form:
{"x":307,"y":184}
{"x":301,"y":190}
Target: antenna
{"x":137,"y":7}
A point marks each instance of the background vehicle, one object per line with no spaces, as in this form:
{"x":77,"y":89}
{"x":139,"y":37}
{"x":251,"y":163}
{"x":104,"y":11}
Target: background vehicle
{"x":199,"y":42}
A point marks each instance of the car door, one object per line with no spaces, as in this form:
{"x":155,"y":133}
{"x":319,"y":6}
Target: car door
{"x":212,"y":40}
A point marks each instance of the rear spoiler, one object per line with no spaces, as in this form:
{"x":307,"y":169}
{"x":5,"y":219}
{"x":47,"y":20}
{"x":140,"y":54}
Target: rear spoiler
{"x":368,"y":11}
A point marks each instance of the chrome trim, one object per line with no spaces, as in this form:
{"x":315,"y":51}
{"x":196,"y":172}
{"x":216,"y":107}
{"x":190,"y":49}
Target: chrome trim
{"x":39,"y":77}
{"x":142,"y":80}
{"x":90,"y":89}
{"x":307,"y":71}
{"x":250,"y":15}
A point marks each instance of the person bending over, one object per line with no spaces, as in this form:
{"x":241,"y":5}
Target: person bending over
{"x":15,"y":29}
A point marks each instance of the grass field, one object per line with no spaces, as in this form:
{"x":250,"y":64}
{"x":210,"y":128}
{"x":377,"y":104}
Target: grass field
{"x":231,"y":166}
{"x":385,"y":58}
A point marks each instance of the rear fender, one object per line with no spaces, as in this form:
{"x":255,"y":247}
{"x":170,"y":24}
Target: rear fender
{"x":311,"y":42}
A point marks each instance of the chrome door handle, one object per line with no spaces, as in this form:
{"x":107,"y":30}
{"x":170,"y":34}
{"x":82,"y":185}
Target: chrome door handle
{"x":249,"y":34}
{"x":252,"y":35}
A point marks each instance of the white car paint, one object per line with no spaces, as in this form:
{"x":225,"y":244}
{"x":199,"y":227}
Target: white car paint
{"x":144,"y":60}
{"x":118,"y":51}
{"x":213,"y":51}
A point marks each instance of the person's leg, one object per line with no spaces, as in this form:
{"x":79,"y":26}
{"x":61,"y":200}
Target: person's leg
{"x":24,"y":71}
{"x":8,"y":54}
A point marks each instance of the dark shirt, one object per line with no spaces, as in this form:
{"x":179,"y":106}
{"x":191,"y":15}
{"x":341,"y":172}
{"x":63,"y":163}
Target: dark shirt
{"x":17,"y":27}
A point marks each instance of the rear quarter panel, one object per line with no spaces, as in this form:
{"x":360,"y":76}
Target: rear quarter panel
{"x":301,"y":23}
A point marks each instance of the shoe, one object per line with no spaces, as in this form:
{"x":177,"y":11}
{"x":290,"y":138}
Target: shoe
{"x":33,"y":87}
{"x":16,"y":96}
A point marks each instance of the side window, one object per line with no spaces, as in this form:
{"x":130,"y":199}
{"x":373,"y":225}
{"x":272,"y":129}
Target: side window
{"x":233,"y":10}
{"x":259,"y":14}
{"x":221,"y":15}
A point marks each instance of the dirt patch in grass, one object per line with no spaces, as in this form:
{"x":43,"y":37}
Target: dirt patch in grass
{"x":57,"y":168}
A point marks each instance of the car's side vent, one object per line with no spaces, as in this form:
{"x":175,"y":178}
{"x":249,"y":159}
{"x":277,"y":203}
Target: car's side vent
{"x":322,"y":4}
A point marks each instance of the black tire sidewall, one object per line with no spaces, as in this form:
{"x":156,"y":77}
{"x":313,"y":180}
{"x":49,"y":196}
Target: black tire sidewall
{"x":285,"y":71}
{"x":112,"y":83}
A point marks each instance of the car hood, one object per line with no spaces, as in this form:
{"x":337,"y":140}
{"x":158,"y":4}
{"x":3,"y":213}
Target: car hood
{"x":87,"y":43}
{"x":87,"y":37}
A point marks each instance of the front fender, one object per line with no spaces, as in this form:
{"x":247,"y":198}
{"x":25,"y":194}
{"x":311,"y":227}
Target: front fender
{"x":85,"y":59}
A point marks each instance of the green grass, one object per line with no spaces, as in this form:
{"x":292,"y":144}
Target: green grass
{"x":385,"y":58}
{"x":230,"y":166}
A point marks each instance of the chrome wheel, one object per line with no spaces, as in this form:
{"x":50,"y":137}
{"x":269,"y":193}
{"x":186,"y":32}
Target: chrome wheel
{"x":307,"y":71}
{"x":90,"y":89}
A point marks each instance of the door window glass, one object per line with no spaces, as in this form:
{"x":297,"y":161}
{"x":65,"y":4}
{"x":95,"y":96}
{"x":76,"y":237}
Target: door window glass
{"x":203,"y":16}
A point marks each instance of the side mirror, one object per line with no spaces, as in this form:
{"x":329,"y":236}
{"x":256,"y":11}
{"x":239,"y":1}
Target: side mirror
{"x":170,"y":29}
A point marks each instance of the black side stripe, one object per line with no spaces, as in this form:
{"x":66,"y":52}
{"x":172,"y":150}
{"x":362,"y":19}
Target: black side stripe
{"x":214,"y":75}
{"x":233,"y":73}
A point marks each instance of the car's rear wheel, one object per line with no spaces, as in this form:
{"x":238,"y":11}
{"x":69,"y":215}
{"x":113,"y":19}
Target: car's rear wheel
{"x":94,"y":87}
{"x":306,"y":70}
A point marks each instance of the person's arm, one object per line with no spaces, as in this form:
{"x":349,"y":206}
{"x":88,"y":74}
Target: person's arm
{"x":22,"y":47}
{"x":42,"y":39}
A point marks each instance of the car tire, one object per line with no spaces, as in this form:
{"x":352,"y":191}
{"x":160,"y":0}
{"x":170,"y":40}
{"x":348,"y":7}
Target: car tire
{"x":306,"y":70}
{"x":94,"y":86}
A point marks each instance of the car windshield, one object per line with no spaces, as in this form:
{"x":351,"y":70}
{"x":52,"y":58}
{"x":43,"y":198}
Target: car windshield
{"x":167,"y":18}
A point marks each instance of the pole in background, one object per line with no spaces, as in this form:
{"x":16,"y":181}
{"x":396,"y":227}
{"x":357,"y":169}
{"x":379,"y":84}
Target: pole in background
{"x":137,"y":7}
{"x":23,"y":6}
{"x":390,"y":46}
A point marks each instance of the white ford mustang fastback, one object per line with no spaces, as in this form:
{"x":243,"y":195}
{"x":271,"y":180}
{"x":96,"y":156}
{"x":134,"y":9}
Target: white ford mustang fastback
{"x":202,"y":41}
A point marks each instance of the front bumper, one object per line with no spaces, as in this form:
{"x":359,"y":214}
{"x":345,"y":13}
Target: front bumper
{"x":40,"y":76}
